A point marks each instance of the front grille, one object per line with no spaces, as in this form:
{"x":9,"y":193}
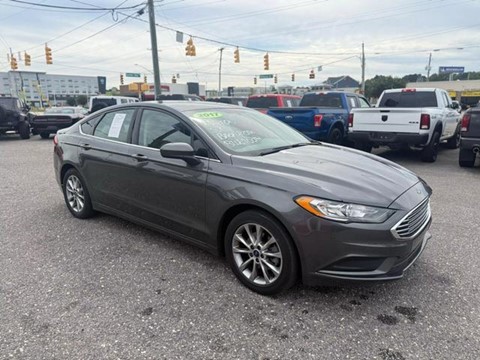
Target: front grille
{"x":414,"y":222}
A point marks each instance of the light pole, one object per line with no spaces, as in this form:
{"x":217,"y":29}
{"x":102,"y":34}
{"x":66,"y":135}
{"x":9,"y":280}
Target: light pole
{"x":153,"y":39}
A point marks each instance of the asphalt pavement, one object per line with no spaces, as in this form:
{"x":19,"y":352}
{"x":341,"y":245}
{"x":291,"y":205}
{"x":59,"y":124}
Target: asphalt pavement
{"x":107,"y":289}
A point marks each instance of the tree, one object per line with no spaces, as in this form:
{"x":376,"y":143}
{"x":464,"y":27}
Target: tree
{"x":414,"y":78}
{"x":82,"y":100}
{"x":71,"y":101}
{"x":374,"y":87}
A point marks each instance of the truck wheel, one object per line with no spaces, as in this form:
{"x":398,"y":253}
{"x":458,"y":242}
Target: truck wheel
{"x":24,"y":130}
{"x":454,"y":141}
{"x":335,"y":136}
{"x":44,"y":135}
{"x":466,"y":158}
{"x":430,"y":152}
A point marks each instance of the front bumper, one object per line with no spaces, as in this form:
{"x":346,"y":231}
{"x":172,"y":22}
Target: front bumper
{"x":358,"y":251}
{"x":387,"y":138}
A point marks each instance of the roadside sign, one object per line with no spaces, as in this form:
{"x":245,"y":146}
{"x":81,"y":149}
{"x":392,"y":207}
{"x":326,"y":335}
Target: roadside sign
{"x":132,"y":75}
{"x":451,"y":69}
{"x":266,"y":76}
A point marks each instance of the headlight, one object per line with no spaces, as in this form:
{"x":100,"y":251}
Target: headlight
{"x":343,"y":212}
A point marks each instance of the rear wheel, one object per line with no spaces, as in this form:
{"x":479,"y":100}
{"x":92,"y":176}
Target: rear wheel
{"x":44,"y":135}
{"x":76,"y":195}
{"x":24,"y":130}
{"x":261,"y":253}
{"x":335,"y":136}
{"x":430,"y":152}
{"x":466,"y":158}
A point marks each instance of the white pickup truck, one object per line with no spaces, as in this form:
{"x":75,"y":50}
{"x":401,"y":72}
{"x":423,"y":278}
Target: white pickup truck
{"x":421,"y":117}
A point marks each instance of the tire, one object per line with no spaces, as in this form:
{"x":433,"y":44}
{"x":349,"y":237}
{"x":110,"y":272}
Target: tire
{"x":430,"y":152}
{"x":45,"y":135}
{"x":3,"y":114}
{"x":466,"y":158}
{"x":335,"y":136}
{"x":364,"y":146}
{"x":258,"y":263}
{"x":24,"y":130}
{"x":98,"y":106}
{"x":454,"y":141}
{"x":74,"y":191}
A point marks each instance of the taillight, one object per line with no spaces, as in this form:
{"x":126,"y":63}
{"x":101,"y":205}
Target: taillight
{"x":350,"y":120}
{"x":409,"y":90}
{"x":425,"y":121}
{"x":55,"y":139}
{"x":465,"y":122}
{"x":317,"y":120}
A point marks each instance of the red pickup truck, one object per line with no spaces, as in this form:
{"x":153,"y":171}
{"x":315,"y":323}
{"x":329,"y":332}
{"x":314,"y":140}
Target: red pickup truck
{"x":265,"y":101}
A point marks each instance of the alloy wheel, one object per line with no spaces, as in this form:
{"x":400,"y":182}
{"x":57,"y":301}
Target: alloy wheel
{"x":257,"y":254}
{"x":75,"y":194}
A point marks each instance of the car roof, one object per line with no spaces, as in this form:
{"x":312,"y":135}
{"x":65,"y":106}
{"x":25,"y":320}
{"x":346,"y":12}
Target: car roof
{"x":272,"y":95}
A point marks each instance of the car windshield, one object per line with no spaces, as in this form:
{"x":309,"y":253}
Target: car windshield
{"x":246,"y":132}
{"x":262,"y":102}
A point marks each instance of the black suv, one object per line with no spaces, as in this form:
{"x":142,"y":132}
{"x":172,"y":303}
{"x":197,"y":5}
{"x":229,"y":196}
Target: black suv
{"x":470,"y":137}
{"x":14,"y":116}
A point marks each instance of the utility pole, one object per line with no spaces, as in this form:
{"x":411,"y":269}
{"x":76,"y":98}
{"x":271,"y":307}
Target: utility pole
{"x":428,"y":67}
{"x":153,"y":39}
{"x":363,"y":68}
{"x":220,"y":72}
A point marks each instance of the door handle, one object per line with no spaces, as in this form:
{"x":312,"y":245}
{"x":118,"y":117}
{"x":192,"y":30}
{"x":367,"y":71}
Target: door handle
{"x":86,"y":146}
{"x":139,"y":157}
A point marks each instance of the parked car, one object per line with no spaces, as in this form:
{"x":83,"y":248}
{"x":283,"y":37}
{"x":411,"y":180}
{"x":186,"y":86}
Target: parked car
{"x":321,"y":115}
{"x":14,"y":116}
{"x":265,"y":101}
{"x":470,"y":137}
{"x":235,"y":100}
{"x":56,"y":118}
{"x":188,"y":97}
{"x":421,"y":118}
{"x":103,"y":101}
{"x":234,"y":181}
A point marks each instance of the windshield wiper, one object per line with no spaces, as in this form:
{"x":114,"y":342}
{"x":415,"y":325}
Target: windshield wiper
{"x":280,"y":148}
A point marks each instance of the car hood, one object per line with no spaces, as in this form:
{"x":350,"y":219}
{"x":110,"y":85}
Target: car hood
{"x":331,"y":172}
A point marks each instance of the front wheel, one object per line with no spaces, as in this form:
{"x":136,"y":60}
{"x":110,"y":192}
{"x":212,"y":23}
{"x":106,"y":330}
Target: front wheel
{"x":261,"y":253}
{"x":430,"y":152}
{"x":77,"y":197}
{"x":24,"y":130}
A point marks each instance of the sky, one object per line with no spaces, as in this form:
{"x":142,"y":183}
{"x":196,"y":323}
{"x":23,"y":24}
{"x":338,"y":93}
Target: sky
{"x":299,"y":36}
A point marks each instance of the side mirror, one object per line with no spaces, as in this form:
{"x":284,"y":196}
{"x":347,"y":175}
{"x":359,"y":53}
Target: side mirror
{"x":181,"y":151}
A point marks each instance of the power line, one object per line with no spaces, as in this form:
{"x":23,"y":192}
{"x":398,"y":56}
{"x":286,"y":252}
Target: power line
{"x":78,"y":8}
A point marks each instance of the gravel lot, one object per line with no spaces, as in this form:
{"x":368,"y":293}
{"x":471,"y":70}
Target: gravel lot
{"x":106,"y":289}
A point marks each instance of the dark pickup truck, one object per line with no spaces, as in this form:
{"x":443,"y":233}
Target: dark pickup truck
{"x":469,"y":137}
{"x":56,"y":118}
{"x":321,"y":115}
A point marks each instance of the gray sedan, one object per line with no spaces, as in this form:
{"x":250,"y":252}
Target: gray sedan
{"x":242,"y":184}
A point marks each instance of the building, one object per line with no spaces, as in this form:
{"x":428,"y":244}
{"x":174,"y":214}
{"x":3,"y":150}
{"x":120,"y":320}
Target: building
{"x":40,"y":89}
{"x":167,"y":89}
{"x":338,"y":83}
{"x":466,"y":91}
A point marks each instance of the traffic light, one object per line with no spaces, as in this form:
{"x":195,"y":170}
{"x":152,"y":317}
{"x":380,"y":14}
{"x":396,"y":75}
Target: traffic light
{"x":190,"y":48}
{"x":13,"y":63}
{"x":311,"y":75}
{"x":266,"y":64}
{"x":174,"y":79}
{"x":275,"y":79}
{"x":28,"y":59}
{"x":48,"y":55}
{"x":255,"y":80}
{"x":236,"y":55}
{"x":145,"y":79}
{"x":121,"y":79}
{"x":293,"y":77}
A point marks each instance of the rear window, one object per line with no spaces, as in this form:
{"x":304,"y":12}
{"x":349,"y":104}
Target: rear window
{"x":262,"y":102}
{"x":410,"y":99}
{"x":8,"y":103}
{"x":322,"y":100}
{"x":108,"y":101}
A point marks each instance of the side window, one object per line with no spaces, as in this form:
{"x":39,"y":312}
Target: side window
{"x":289,"y":103}
{"x":88,"y":126}
{"x":123,"y":101}
{"x":295,"y":102}
{"x":363,"y":103}
{"x":352,"y":102}
{"x":158,"y":128}
{"x":115,"y":125}
{"x":445,"y":98}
